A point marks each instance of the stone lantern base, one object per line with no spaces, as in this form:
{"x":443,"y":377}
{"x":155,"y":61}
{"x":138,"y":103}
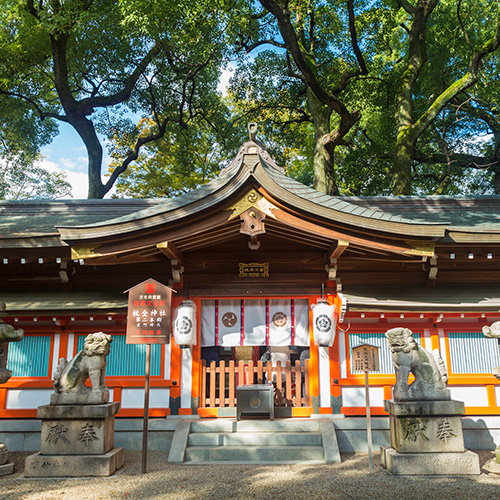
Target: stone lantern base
{"x":427,"y":439}
{"x":76,"y":440}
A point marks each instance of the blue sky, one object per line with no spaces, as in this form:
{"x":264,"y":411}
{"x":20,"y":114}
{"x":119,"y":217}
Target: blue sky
{"x":67,"y":153}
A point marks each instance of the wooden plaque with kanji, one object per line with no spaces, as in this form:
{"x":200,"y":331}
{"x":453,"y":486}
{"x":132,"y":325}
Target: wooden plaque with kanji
{"x":149,"y":313}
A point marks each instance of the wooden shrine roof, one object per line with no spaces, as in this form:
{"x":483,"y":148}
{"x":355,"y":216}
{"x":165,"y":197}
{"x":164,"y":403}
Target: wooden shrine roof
{"x":25,"y":218}
{"x":465,"y":218}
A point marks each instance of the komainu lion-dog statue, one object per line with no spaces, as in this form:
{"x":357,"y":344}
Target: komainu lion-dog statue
{"x":90,"y":362}
{"x":429,"y":369}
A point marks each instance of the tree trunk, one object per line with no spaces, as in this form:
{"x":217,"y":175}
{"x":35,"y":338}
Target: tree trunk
{"x":86,"y":131}
{"x":405,"y":150}
{"x":323,"y":159}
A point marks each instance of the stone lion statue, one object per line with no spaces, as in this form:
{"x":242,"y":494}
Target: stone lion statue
{"x":429,"y":369}
{"x":90,"y":362}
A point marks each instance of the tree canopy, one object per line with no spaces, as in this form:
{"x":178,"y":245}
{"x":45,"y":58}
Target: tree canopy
{"x":352,"y":97}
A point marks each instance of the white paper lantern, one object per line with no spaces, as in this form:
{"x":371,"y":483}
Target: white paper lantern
{"x":185,"y":324}
{"x":324,"y":323}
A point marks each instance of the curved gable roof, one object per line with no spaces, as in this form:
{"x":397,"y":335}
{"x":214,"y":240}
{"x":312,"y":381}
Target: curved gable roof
{"x":431,"y":217}
{"x":254,"y":164}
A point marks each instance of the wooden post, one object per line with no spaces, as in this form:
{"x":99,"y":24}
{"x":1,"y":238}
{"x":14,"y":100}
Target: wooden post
{"x":368,"y":423}
{"x":146,"y":410}
{"x":365,"y":358}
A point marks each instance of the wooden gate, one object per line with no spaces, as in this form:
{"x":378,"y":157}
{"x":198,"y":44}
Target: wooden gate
{"x":219,"y":383}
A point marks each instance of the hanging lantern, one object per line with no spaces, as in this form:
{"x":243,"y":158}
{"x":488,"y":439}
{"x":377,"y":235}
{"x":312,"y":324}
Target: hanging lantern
{"x":324,"y":323}
{"x":185,"y":324}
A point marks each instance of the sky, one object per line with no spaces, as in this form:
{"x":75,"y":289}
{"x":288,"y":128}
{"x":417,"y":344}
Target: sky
{"x":66,"y":153}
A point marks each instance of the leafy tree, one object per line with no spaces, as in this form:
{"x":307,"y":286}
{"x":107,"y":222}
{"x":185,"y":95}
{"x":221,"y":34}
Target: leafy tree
{"x":418,"y":58}
{"x":21,"y":178}
{"x":183,"y":158}
{"x":103,"y":66}
{"x":482,"y":38}
{"x":323,"y":55}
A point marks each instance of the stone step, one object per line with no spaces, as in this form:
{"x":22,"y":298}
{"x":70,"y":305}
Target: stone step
{"x":257,"y":454}
{"x":255,"y":439}
{"x":230,"y":425}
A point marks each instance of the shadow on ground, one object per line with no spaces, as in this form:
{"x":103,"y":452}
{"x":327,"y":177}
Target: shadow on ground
{"x":347,"y":480}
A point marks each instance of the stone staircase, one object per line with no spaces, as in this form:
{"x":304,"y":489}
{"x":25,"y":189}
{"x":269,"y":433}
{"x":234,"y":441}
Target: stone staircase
{"x":225,"y":441}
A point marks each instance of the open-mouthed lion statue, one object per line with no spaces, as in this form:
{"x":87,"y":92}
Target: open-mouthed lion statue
{"x":90,"y":362}
{"x":429,"y":370}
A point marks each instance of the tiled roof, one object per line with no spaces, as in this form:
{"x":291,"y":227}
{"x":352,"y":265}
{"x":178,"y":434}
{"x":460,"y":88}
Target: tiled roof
{"x":458,"y":213}
{"x":467,"y":213}
{"x":345,"y":204}
{"x":33,"y":217}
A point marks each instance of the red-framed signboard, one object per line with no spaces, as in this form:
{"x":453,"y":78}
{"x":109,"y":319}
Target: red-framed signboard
{"x":149,"y":313}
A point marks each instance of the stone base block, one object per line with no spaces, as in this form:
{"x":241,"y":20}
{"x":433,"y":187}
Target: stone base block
{"x":89,"y":398}
{"x":6,"y":469}
{"x":77,"y":437}
{"x":423,"y":408}
{"x":430,"y":464}
{"x":77,"y":429}
{"x":429,"y":434}
{"x":68,"y":412}
{"x":39,"y":465}
{"x":493,"y":466}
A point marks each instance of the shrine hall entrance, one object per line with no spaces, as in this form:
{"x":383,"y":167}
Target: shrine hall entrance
{"x":255,"y":341}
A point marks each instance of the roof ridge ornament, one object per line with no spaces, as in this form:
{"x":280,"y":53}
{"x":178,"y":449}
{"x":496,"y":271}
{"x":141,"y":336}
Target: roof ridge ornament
{"x":252,"y":199}
{"x":252,"y":130}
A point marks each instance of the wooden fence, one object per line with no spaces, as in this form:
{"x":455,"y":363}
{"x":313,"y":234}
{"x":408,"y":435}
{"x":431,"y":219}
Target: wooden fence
{"x":218,"y":389}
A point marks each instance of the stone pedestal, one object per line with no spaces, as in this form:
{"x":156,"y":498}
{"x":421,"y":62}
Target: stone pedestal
{"x":5,"y":467}
{"x":494,"y":464}
{"x":427,"y":439}
{"x":76,"y":440}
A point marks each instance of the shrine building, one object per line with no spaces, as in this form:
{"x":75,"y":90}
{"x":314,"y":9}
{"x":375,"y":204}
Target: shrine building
{"x":251,"y":252}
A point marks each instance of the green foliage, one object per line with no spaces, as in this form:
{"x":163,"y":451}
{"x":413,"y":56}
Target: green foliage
{"x":105,"y":66}
{"x":21,"y":176}
{"x":143,"y":75}
{"x":182,"y":160}
{"x":22,"y":179}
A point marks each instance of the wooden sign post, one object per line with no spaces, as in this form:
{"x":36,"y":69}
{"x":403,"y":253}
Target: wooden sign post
{"x":365,"y":358}
{"x":148,"y":322}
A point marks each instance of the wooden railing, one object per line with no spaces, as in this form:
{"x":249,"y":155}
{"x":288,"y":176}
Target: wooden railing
{"x":218,"y":389}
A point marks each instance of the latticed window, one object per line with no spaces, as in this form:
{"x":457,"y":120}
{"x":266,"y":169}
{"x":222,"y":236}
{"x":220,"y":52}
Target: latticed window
{"x":472,"y":352}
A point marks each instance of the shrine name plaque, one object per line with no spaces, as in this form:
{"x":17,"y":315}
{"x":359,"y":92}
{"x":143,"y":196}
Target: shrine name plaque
{"x":254,"y":270}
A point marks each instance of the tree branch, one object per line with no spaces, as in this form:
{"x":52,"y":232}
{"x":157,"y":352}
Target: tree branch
{"x":469,"y":79}
{"x":134,"y":154}
{"x":129,"y":84}
{"x":282,"y":15}
{"x":42,"y":114}
{"x":253,"y":46}
{"x":407,"y":6}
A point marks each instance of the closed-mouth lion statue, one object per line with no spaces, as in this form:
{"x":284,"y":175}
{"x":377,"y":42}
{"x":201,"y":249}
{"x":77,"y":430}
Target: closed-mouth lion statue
{"x":90,"y":362}
{"x":429,"y":369}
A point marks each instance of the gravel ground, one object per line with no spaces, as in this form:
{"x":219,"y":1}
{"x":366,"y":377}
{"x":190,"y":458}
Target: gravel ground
{"x":348,"y":480}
